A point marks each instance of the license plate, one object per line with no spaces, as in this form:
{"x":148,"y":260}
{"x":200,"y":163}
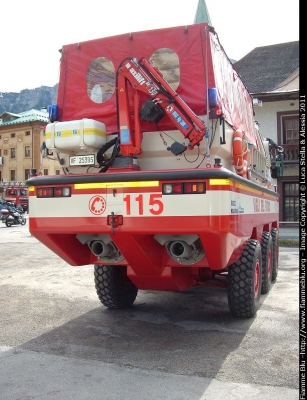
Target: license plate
{"x":82,"y":160}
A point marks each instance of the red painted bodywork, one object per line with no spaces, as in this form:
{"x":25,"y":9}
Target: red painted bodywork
{"x":148,"y":263}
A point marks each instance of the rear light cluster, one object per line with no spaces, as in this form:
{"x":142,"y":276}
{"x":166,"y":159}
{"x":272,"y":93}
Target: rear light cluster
{"x":184,"y":188}
{"x":53,"y":192}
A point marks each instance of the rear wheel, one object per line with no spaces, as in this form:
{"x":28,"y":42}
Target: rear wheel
{"x":244,"y":282}
{"x":275,"y":238}
{"x":267,"y":262}
{"x":8,"y":223}
{"x":113,"y":287}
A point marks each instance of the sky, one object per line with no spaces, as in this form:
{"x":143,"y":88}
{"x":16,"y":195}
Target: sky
{"x":33,"y":31}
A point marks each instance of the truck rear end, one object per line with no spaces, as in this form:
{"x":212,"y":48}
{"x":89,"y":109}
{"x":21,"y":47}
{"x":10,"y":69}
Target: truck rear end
{"x":166,"y":183}
{"x":169,"y":230}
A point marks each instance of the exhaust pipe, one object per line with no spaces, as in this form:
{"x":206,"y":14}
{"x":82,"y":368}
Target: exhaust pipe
{"x":105,"y":251}
{"x":100,"y":249}
{"x":185,"y":252}
{"x":180,"y":249}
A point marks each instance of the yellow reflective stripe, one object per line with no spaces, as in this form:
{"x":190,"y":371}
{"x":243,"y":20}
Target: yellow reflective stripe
{"x":224,"y":182}
{"x":115,"y":185}
{"x":247,"y":188}
{"x":68,"y":133}
{"x":31,"y":188}
{"x":219,"y":182}
{"x":252,"y":190}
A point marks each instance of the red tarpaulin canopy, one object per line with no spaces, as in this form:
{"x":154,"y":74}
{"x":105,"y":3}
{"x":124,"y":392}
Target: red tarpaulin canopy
{"x":190,"y":58}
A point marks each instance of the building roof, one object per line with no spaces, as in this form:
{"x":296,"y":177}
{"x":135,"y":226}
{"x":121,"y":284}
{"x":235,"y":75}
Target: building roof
{"x":24,"y":117}
{"x":202,"y":13}
{"x":269,"y":67}
{"x":289,"y":84}
{"x":6,"y":113}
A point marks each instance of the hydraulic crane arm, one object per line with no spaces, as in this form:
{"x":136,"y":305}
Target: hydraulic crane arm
{"x":162,"y":101}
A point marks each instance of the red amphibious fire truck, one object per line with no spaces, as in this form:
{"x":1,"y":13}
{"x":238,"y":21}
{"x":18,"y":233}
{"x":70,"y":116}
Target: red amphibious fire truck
{"x":166,"y":181}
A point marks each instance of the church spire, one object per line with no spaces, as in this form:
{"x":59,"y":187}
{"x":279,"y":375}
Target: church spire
{"x":202,"y":14}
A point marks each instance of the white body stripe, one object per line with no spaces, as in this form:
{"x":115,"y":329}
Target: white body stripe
{"x":213,"y":203}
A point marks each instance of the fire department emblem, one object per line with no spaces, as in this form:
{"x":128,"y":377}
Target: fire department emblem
{"x":169,"y":109}
{"x":97,"y":205}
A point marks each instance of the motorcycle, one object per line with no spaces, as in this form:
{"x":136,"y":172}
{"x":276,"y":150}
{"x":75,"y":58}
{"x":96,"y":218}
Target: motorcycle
{"x":11,"y":216}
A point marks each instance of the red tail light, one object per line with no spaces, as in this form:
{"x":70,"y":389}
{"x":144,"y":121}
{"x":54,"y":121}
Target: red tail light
{"x":53,"y":192}
{"x":194,"y":188}
{"x":184,"y":188}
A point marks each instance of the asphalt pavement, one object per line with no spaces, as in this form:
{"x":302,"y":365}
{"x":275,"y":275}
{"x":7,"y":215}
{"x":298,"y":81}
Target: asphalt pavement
{"x":58,"y":342}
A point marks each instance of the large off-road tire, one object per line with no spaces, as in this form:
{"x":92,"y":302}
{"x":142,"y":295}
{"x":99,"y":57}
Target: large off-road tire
{"x":113,"y":287}
{"x":275,"y":239}
{"x":267,"y":262}
{"x":244,"y":281}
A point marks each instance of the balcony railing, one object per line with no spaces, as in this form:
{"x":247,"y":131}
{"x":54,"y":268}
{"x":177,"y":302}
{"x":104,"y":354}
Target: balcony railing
{"x":291,"y":154}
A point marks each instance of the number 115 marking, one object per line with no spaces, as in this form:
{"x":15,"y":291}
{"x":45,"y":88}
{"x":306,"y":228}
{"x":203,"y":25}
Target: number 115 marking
{"x":155,"y":205}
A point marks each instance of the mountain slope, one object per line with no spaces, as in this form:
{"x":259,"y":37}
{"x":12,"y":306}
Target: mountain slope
{"x":27,"y":99}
